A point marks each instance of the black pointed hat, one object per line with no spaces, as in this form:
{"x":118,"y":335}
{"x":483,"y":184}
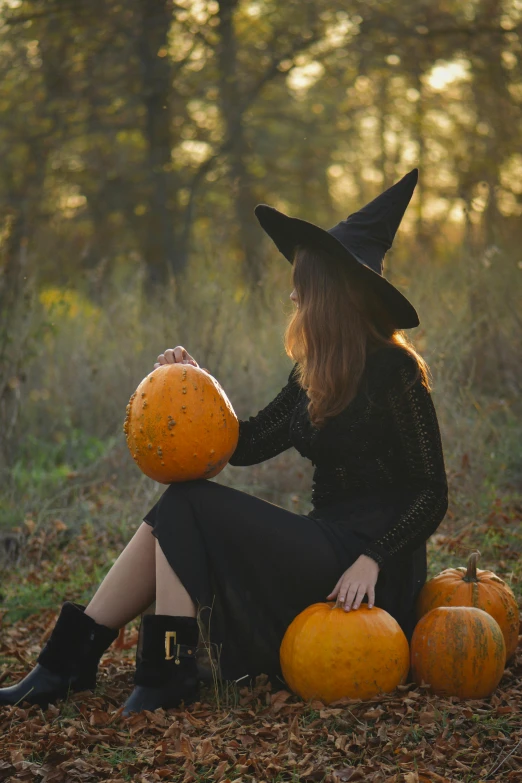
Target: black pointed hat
{"x":361,"y":241}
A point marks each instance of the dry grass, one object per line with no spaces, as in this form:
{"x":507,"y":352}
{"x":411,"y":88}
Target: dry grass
{"x":79,"y":376}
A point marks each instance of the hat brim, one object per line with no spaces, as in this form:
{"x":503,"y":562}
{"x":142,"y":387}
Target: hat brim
{"x":288,"y":233}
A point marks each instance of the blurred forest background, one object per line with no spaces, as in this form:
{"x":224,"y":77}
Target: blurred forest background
{"x":136,"y":138}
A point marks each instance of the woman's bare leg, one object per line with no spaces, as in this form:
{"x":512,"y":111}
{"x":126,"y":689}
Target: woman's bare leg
{"x":171,"y":596}
{"x":130,"y":586}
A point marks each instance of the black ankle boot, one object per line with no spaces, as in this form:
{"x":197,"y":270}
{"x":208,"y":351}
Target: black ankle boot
{"x":68,"y":661}
{"x":166,"y":669}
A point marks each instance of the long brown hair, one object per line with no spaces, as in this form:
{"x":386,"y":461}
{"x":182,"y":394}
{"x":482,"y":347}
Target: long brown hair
{"x":338,"y":322}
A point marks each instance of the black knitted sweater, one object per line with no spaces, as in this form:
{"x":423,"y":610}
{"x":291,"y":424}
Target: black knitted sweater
{"x":387,"y":438}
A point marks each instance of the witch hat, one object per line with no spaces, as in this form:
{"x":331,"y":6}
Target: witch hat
{"x":360,"y":241}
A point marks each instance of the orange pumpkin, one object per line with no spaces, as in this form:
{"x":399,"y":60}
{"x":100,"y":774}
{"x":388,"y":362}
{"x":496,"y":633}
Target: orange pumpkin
{"x":327,"y":653}
{"x":458,"y":651}
{"x":473,"y":587}
{"x":180,"y":424}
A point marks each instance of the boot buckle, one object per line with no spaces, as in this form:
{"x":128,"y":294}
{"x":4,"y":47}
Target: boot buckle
{"x":168,"y":636}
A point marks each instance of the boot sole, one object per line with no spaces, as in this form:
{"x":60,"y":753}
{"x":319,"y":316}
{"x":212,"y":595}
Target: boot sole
{"x":188,"y":698}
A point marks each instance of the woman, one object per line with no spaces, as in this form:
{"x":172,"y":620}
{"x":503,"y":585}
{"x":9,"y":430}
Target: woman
{"x":357,"y":404}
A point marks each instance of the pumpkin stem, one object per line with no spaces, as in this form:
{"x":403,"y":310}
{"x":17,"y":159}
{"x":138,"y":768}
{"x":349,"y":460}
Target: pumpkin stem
{"x":471,"y":572}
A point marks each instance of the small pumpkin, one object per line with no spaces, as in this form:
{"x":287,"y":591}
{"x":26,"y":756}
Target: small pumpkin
{"x":474,"y":587}
{"x":459,"y":651}
{"x":327,"y":653}
{"x":180,"y":424}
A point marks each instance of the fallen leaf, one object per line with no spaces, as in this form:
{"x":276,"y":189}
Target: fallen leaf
{"x":372,"y":714}
{"x":220,"y":771}
{"x":347,"y":774}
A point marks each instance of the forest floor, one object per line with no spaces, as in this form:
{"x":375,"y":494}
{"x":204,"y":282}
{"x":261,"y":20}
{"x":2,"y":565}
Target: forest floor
{"x":243,"y":734}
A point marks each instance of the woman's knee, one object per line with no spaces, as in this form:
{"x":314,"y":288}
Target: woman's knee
{"x":193,"y":492}
{"x":186,"y":486}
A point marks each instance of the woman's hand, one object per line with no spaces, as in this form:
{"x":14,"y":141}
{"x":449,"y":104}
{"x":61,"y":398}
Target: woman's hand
{"x":356,"y":582}
{"x":177,"y":354}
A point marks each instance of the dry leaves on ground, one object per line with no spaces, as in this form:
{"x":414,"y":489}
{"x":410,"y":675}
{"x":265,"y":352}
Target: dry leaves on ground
{"x":253,"y":733}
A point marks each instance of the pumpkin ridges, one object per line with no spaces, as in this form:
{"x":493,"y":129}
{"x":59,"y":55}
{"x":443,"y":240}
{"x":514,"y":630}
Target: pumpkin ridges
{"x":484,"y":590}
{"x":459,"y":651}
{"x":328,"y":653}
{"x":288,"y":645}
{"x":311,"y":665}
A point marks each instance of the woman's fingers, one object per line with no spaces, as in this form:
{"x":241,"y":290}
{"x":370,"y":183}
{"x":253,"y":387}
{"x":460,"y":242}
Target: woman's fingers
{"x":361,"y":592}
{"x":350,"y":595}
{"x":358,"y":581}
{"x":182,"y":355}
{"x":335,"y":590}
{"x":342,"y":592}
{"x":175,"y":355}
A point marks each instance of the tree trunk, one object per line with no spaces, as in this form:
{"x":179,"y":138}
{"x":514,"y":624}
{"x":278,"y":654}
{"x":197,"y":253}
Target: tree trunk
{"x":231,"y":99}
{"x":157,"y":234}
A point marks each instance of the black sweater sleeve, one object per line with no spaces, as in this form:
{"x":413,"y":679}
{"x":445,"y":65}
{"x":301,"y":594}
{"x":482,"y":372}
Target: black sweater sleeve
{"x":416,"y":431}
{"x":268,"y":433}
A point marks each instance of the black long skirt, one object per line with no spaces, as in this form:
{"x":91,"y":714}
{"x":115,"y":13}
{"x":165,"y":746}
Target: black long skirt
{"x":251,"y":566}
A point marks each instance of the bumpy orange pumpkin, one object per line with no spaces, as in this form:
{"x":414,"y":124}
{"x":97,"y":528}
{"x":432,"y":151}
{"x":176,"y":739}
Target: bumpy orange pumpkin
{"x":327,"y":653}
{"x":474,"y":587}
{"x":458,"y":651}
{"x":180,"y":424}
